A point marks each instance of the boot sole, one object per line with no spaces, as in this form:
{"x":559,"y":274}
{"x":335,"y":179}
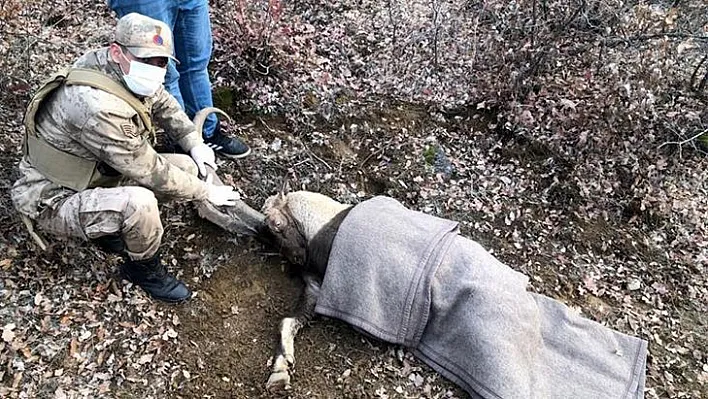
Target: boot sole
{"x":170,"y":301}
{"x":234,"y":156}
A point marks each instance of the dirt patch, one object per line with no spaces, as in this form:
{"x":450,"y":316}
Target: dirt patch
{"x":227,"y":334}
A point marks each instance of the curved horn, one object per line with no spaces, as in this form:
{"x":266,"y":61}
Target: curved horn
{"x":285,"y":188}
{"x":200,"y":117}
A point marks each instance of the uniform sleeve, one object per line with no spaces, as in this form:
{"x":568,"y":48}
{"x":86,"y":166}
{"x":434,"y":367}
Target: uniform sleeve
{"x":169,"y":115}
{"x":112,"y":136}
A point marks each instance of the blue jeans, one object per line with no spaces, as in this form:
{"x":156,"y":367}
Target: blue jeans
{"x":189,"y":81}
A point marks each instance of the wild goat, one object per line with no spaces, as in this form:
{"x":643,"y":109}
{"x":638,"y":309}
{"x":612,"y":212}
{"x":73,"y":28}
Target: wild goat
{"x":410,"y":279}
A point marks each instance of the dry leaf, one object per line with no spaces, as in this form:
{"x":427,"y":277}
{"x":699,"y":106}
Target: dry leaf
{"x":74,"y":348}
{"x":589,"y":283}
{"x":7,"y":334}
{"x":145,"y":358}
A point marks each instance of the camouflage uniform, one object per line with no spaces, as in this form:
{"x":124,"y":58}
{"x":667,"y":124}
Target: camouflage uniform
{"x":96,"y":125}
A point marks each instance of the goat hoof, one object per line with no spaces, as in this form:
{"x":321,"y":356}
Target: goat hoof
{"x":290,"y":359}
{"x":278,"y":381}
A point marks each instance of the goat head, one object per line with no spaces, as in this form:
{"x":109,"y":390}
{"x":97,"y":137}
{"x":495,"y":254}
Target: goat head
{"x":284,"y":228}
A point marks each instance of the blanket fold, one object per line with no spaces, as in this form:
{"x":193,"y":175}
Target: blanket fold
{"x":401,"y":316}
{"x":408,"y":278}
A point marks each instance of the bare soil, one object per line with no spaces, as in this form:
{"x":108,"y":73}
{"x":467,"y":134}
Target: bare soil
{"x":227,"y":335}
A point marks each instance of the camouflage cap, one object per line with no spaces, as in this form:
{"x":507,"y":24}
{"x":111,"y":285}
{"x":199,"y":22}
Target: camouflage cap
{"x":145,"y":37}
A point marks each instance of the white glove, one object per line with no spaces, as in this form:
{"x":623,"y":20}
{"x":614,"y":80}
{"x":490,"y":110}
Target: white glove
{"x":221,"y":195}
{"x":203,"y":155}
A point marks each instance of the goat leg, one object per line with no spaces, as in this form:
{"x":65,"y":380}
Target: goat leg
{"x":284,"y":357}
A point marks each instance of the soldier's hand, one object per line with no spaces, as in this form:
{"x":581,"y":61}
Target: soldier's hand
{"x":203,"y":155}
{"x":221,"y":195}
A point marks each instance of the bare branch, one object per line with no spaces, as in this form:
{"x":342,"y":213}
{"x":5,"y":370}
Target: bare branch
{"x":435,"y":5}
{"x":637,"y":38}
{"x":389,"y":5}
{"x":680,"y":144}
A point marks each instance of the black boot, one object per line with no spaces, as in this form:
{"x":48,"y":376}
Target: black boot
{"x":152,"y":276}
{"x":111,"y":243}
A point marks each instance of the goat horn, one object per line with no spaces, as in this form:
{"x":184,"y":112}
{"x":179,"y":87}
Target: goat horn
{"x":284,"y":188}
{"x":200,"y":117}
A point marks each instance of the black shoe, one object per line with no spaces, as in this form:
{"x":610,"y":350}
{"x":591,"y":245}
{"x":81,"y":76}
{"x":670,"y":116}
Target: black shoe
{"x":152,"y":276}
{"x":229,"y":147}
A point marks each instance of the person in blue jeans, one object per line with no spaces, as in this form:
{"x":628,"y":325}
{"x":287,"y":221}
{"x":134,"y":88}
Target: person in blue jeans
{"x":188,"y":81}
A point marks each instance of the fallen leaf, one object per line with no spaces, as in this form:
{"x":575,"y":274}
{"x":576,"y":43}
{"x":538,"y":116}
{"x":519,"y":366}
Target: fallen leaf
{"x":145,"y":358}
{"x":634,"y":285}
{"x":170,"y":333}
{"x":84,"y":336}
{"x":74,"y":347}
{"x":589,"y":283}
{"x":7,"y":334}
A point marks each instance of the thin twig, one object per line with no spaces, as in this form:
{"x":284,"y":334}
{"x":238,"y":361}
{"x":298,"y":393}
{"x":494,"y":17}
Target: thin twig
{"x":533,"y":24}
{"x":670,"y":35}
{"x":698,"y":68}
{"x":377,"y":152}
{"x":266,"y":125}
{"x":304,"y":161}
{"x":436,"y":25}
{"x":686,"y":141}
{"x":391,"y":21}
{"x":703,"y":83}
{"x":474,"y":41}
{"x":319,"y":159}
{"x":313,"y":155}
{"x":616,"y":41}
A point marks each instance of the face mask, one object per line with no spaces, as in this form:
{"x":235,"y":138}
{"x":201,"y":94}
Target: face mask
{"x":144,"y":79}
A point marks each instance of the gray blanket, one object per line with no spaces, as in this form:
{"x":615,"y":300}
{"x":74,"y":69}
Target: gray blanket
{"x":410,"y":279}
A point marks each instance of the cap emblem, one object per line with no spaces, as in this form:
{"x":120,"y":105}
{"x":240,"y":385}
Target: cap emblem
{"x":157,"y":39}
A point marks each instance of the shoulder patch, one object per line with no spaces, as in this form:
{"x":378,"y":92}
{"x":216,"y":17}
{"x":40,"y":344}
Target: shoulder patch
{"x":129,"y":129}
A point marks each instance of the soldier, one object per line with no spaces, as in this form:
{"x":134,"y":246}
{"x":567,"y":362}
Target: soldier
{"x":89,"y":169}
